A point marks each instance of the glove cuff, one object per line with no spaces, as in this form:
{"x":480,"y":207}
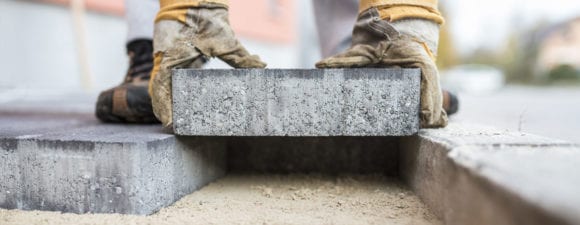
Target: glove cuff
{"x":177,"y":9}
{"x":423,"y":31}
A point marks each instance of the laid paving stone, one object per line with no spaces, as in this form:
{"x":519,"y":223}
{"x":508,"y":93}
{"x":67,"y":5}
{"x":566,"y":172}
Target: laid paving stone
{"x":311,"y":102}
{"x":470,"y":174}
{"x":72,"y":163}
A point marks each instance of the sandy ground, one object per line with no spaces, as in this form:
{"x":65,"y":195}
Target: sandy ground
{"x":270,"y":199}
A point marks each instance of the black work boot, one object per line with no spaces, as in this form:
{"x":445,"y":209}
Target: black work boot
{"x":130,"y":101}
{"x":450,"y":103}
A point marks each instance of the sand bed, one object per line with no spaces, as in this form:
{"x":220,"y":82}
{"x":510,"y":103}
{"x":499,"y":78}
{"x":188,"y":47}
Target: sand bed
{"x":270,"y":199}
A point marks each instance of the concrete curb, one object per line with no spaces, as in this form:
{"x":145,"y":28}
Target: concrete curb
{"x":475,"y":175}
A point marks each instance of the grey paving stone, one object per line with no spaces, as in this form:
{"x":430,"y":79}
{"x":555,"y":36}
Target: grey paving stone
{"x":470,"y":174}
{"x":312,"y":102}
{"x":82,"y":166}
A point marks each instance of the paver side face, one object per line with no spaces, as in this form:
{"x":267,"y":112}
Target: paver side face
{"x":276,"y":102}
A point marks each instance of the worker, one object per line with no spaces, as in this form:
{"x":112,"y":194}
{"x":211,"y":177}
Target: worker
{"x":387,"y":33}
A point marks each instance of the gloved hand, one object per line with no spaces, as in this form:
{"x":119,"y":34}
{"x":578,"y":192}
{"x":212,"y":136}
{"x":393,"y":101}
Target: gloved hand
{"x":186,"y":34}
{"x":408,"y":43}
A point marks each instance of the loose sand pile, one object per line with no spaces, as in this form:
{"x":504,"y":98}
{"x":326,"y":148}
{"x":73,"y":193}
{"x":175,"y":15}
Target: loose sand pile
{"x":270,"y":199}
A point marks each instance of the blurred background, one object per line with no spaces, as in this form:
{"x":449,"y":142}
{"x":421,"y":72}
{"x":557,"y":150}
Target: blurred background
{"x":514,"y":63}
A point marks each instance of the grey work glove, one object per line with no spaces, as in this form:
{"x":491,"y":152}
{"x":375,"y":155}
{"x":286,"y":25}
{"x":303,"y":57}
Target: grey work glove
{"x":407,"y":44}
{"x":206,"y":33}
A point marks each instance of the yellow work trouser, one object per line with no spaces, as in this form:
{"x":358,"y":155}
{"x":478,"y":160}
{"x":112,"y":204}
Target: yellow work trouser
{"x":392,"y":10}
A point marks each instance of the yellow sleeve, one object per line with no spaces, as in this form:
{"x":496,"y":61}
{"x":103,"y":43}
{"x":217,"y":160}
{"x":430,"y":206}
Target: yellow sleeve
{"x":177,"y":9}
{"x":394,"y":10}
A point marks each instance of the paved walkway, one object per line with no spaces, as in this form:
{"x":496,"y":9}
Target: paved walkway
{"x":550,"y":112}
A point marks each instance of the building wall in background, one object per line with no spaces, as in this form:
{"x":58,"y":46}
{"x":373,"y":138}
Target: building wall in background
{"x":39,"y":50}
{"x":267,"y":20}
{"x":40,"y":56}
{"x":264,"y":20}
{"x":561,"y":46}
{"x":114,"y":7}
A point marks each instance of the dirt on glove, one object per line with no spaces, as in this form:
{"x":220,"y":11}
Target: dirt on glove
{"x":378,"y":43}
{"x":270,"y":199}
{"x":204,"y":34}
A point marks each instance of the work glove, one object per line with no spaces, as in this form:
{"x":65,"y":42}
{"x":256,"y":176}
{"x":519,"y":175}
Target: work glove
{"x":408,"y":43}
{"x":185,"y":36}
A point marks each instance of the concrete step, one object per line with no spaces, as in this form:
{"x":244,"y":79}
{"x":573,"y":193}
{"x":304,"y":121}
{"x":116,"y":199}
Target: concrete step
{"x":72,"y":163}
{"x":280,"y":102}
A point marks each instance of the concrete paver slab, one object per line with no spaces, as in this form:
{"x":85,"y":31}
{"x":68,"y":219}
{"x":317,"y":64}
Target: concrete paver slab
{"x":73,"y":163}
{"x":476,"y":175}
{"x":279,"y":102}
